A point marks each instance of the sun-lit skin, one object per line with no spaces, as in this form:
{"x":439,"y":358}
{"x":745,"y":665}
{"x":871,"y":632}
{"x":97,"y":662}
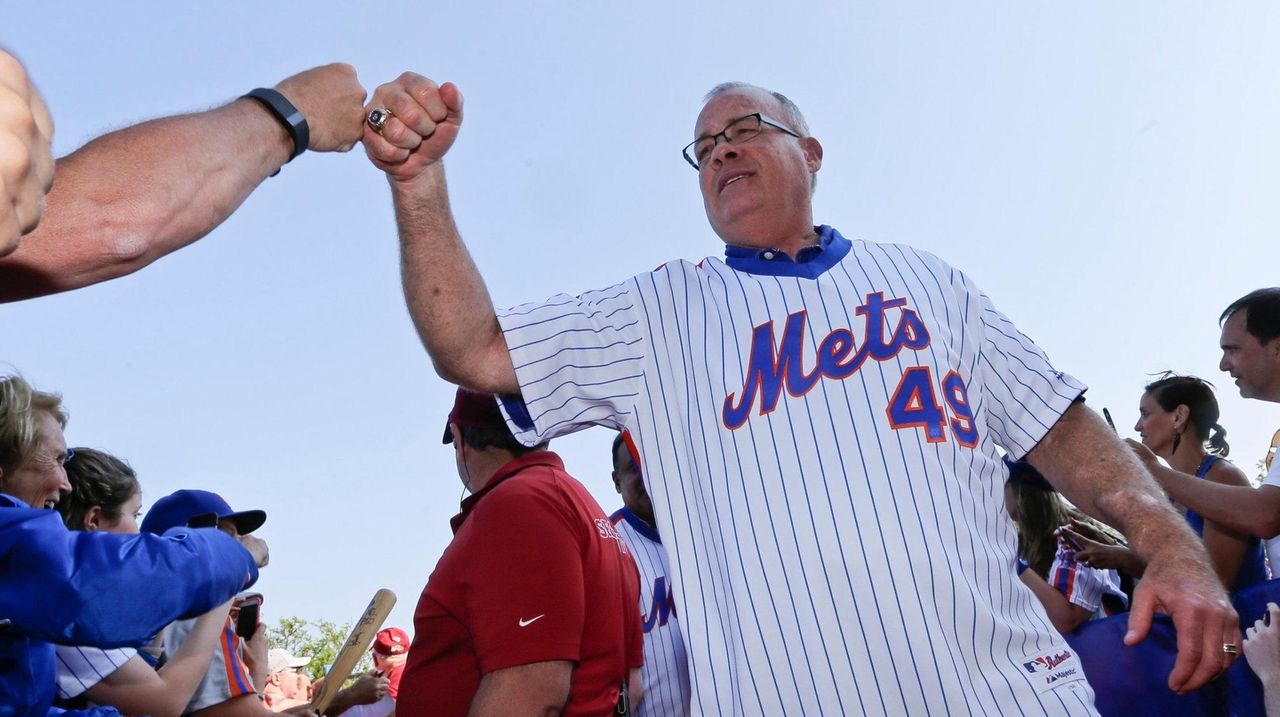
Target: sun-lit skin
{"x":1255,"y":366}
{"x":757,"y":193}
{"x":43,"y":480}
{"x":126,"y":524}
{"x":1156,"y":426}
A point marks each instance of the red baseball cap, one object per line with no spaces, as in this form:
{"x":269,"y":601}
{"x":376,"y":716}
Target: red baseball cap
{"x":391,"y":641}
{"x":474,"y":410}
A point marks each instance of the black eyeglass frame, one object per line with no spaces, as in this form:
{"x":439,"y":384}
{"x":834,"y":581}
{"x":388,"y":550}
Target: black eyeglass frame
{"x":763,"y":119}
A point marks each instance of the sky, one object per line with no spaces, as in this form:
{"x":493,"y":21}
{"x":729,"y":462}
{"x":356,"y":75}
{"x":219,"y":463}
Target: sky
{"x":1107,"y":173}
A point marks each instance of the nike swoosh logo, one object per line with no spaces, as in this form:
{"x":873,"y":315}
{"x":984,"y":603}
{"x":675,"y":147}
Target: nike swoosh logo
{"x":530,"y":621}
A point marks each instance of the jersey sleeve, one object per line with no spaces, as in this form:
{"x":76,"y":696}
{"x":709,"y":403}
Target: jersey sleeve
{"x":1082,"y":585}
{"x":526,"y":601}
{"x":578,"y":360}
{"x":80,"y":668}
{"x":109,"y":590}
{"x":1023,"y":394}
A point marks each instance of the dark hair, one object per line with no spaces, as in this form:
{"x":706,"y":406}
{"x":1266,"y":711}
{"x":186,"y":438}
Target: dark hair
{"x":96,"y":478}
{"x":484,"y":437}
{"x":1262,"y":313}
{"x":613,"y":450}
{"x":1172,"y":390}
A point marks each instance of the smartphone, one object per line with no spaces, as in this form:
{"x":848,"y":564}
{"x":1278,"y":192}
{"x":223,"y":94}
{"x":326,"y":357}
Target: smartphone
{"x":247,"y":605}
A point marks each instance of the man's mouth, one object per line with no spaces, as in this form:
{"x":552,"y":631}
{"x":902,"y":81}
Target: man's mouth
{"x":733,"y":179}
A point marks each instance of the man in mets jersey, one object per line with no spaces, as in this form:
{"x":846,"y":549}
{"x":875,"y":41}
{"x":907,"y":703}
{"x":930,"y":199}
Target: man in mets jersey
{"x":666,"y":664}
{"x":817,"y":419}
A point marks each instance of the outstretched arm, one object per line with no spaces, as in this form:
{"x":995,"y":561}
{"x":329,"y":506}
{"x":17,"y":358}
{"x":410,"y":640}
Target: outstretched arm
{"x":1239,"y":507}
{"x":138,"y":688}
{"x":446,"y":296}
{"x":134,"y":195}
{"x":1083,"y":459}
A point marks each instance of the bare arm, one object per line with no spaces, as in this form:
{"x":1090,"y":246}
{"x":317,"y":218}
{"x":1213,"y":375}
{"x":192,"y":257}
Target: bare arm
{"x":26,"y":164}
{"x":134,"y":195}
{"x":1085,"y":460}
{"x":247,"y":706}
{"x":137,"y":688}
{"x":1236,"y":507}
{"x":1065,"y":615}
{"x":445,"y":294}
{"x":534,"y":690}
{"x":366,"y":690}
{"x":1226,"y":547}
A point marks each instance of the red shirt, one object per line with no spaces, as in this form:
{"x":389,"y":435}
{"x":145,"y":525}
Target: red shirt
{"x":535,"y":572}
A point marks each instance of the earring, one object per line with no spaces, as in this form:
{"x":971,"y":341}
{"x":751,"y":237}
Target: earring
{"x":1177,"y":438}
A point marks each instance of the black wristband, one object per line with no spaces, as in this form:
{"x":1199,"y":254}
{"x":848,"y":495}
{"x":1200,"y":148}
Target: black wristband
{"x":289,"y":116}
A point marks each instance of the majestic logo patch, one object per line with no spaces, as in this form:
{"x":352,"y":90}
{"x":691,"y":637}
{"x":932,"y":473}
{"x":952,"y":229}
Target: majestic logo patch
{"x":1052,"y":670}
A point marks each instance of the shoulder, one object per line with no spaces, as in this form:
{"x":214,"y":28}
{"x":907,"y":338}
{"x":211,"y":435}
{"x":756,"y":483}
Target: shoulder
{"x":1225,"y":472}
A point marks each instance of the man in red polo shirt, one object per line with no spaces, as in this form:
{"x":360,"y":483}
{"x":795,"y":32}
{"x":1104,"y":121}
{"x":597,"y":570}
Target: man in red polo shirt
{"x":532,"y":607}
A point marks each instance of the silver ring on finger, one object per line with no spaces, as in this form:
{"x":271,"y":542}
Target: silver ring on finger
{"x":1230,"y":648}
{"x":378,"y":117}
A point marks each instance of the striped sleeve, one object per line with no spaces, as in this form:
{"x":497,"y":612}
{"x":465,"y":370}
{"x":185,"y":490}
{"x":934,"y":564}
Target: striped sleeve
{"x":1082,"y":585}
{"x":579,"y":361}
{"x":1024,"y":394}
{"x":80,"y":668}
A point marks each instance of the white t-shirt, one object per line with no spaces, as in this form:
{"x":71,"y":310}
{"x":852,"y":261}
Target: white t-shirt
{"x":1273,"y":545}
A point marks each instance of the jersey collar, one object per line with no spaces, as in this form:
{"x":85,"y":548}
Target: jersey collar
{"x":810,"y":263}
{"x":514,"y":466}
{"x":638,"y":523}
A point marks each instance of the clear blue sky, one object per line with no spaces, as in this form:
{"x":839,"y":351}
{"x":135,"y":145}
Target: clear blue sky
{"x":1109,"y":174}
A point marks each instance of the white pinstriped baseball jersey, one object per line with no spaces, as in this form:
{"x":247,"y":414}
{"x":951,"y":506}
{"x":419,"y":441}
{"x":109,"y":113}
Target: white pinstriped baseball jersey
{"x":666,"y":663}
{"x":812,"y":434}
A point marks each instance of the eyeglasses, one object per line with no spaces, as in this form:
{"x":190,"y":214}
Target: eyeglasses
{"x":743,"y":129}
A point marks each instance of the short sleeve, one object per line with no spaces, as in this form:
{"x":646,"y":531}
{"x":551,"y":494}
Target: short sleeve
{"x":1024,"y":394}
{"x":1082,"y":585}
{"x":80,"y":668}
{"x":525,"y":598}
{"x":578,"y":360}
{"x":1273,"y":475}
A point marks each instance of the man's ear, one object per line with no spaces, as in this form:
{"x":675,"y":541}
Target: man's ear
{"x":812,"y":153}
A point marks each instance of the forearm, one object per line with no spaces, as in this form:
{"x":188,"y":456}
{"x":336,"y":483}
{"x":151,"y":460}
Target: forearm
{"x":1085,"y":461}
{"x":446,"y":296}
{"x":1243,"y":509}
{"x":531,"y":690}
{"x":1064,"y":615}
{"x":129,"y":197}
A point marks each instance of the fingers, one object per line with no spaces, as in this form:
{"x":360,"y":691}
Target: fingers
{"x":1140,"y":615}
{"x":1202,"y":647}
{"x":423,"y":126}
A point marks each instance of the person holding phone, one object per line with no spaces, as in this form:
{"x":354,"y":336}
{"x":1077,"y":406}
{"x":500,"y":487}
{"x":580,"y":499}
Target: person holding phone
{"x":106,"y":497}
{"x":1072,"y":593}
{"x":238,"y":665}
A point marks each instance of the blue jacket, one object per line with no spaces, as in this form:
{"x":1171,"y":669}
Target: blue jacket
{"x":100,"y":589}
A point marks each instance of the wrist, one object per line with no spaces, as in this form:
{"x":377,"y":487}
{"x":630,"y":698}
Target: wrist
{"x":285,"y":114}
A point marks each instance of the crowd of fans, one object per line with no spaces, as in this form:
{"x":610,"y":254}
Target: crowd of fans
{"x":192,"y":643}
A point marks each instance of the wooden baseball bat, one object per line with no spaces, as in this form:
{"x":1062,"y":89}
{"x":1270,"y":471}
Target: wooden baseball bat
{"x":353,"y":649}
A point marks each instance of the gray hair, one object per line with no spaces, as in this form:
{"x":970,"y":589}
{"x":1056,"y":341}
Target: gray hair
{"x":790,"y":112}
{"x":20,"y":406}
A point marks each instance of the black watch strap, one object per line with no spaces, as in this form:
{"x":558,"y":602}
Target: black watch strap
{"x":288,"y":115}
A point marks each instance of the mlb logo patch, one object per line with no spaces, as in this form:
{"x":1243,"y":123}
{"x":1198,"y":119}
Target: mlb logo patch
{"x":1053,"y":669}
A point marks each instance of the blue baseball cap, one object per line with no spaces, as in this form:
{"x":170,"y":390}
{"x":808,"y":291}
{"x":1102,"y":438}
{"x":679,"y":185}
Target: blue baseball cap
{"x":198,"y":509}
